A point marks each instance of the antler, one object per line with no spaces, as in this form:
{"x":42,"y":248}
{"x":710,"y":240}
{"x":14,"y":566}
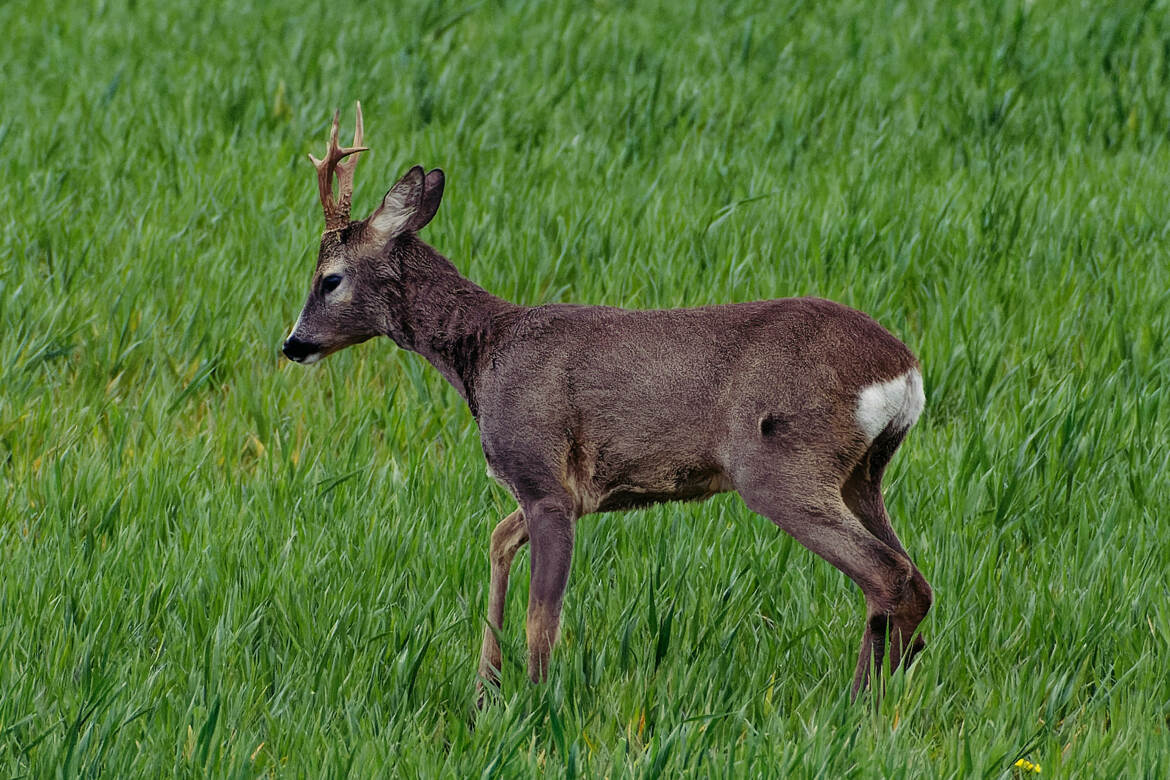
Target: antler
{"x":337,"y":211}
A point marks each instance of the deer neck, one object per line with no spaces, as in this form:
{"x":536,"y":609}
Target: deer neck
{"x":443,"y":316}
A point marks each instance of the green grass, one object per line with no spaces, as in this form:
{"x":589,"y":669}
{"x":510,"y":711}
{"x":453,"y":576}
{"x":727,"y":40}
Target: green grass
{"x":213,"y":562}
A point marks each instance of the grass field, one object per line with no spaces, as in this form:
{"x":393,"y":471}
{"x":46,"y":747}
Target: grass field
{"x":216,"y":563}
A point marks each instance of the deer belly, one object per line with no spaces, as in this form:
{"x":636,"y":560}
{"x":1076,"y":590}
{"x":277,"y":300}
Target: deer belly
{"x":696,"y":484}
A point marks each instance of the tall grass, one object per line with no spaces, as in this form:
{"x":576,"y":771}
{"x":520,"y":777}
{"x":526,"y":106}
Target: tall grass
{"x":216,"y":563}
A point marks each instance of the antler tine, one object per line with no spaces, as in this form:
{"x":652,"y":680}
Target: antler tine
{"x":345,"y":169}
{"x":337,"y":209}
{"x":358,"y":130}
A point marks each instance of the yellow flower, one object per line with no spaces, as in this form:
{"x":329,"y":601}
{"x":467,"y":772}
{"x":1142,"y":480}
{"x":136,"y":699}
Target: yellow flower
{"x":1027,"y":766}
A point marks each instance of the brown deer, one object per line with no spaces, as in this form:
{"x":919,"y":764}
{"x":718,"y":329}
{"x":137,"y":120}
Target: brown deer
{"x":797,"y":404}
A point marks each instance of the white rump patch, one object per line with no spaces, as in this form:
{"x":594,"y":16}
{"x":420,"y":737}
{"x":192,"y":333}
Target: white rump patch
{"x":897,"y":402}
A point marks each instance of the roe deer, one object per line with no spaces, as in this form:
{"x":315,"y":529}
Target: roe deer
{"x":797,"y":404}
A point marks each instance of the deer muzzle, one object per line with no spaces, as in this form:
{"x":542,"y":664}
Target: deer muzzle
{"x":300,"y":351}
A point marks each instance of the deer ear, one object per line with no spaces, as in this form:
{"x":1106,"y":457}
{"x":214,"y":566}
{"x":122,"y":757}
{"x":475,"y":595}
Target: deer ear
{"x":399,"y":207}
{"x":429,"y":204}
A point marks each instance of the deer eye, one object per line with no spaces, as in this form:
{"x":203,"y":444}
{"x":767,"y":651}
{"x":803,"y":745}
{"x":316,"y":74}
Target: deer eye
{"x":329,"y":283}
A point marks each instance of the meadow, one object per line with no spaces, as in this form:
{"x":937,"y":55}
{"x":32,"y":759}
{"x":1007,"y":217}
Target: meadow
{"x":214,"y":562}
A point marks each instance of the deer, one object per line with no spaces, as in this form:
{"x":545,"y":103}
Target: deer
{"x":797,"y":404}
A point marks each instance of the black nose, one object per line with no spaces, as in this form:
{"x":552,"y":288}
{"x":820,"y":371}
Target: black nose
{"x":298,"y":350}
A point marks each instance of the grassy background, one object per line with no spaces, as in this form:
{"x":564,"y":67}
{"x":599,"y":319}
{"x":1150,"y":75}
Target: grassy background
{"x":213,"y":562}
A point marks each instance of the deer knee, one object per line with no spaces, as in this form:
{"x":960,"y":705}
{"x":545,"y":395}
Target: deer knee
{"x":550,"y":538}
{"x":543,"y":628}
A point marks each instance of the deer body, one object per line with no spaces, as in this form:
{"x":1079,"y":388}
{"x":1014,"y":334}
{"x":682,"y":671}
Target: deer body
{"x":634,"y":407}
{"x":797,"y":404}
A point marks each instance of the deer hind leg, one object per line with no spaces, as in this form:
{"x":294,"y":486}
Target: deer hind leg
{"x":810,"y":508}
{"x":862,"y":493}
{"x":509,"y":536}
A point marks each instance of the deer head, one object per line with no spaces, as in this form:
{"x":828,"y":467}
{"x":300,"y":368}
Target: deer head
{"x":358,"y":264}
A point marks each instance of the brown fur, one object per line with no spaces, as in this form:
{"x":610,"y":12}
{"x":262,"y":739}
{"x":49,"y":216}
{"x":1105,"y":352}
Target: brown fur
{"x":591,"y":408}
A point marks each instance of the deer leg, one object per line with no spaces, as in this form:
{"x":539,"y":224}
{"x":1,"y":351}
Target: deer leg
{"x":896,"y":596}
{"x":864,"y":500}
{"x":862,"y":491}
{"x":863,"y":496}
{"x":550,"y":530}
{"x":508,"y":537}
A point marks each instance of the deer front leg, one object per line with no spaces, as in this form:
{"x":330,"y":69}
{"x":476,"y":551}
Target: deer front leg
{"x":550,"y":530}
{"x":508,"y":537}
